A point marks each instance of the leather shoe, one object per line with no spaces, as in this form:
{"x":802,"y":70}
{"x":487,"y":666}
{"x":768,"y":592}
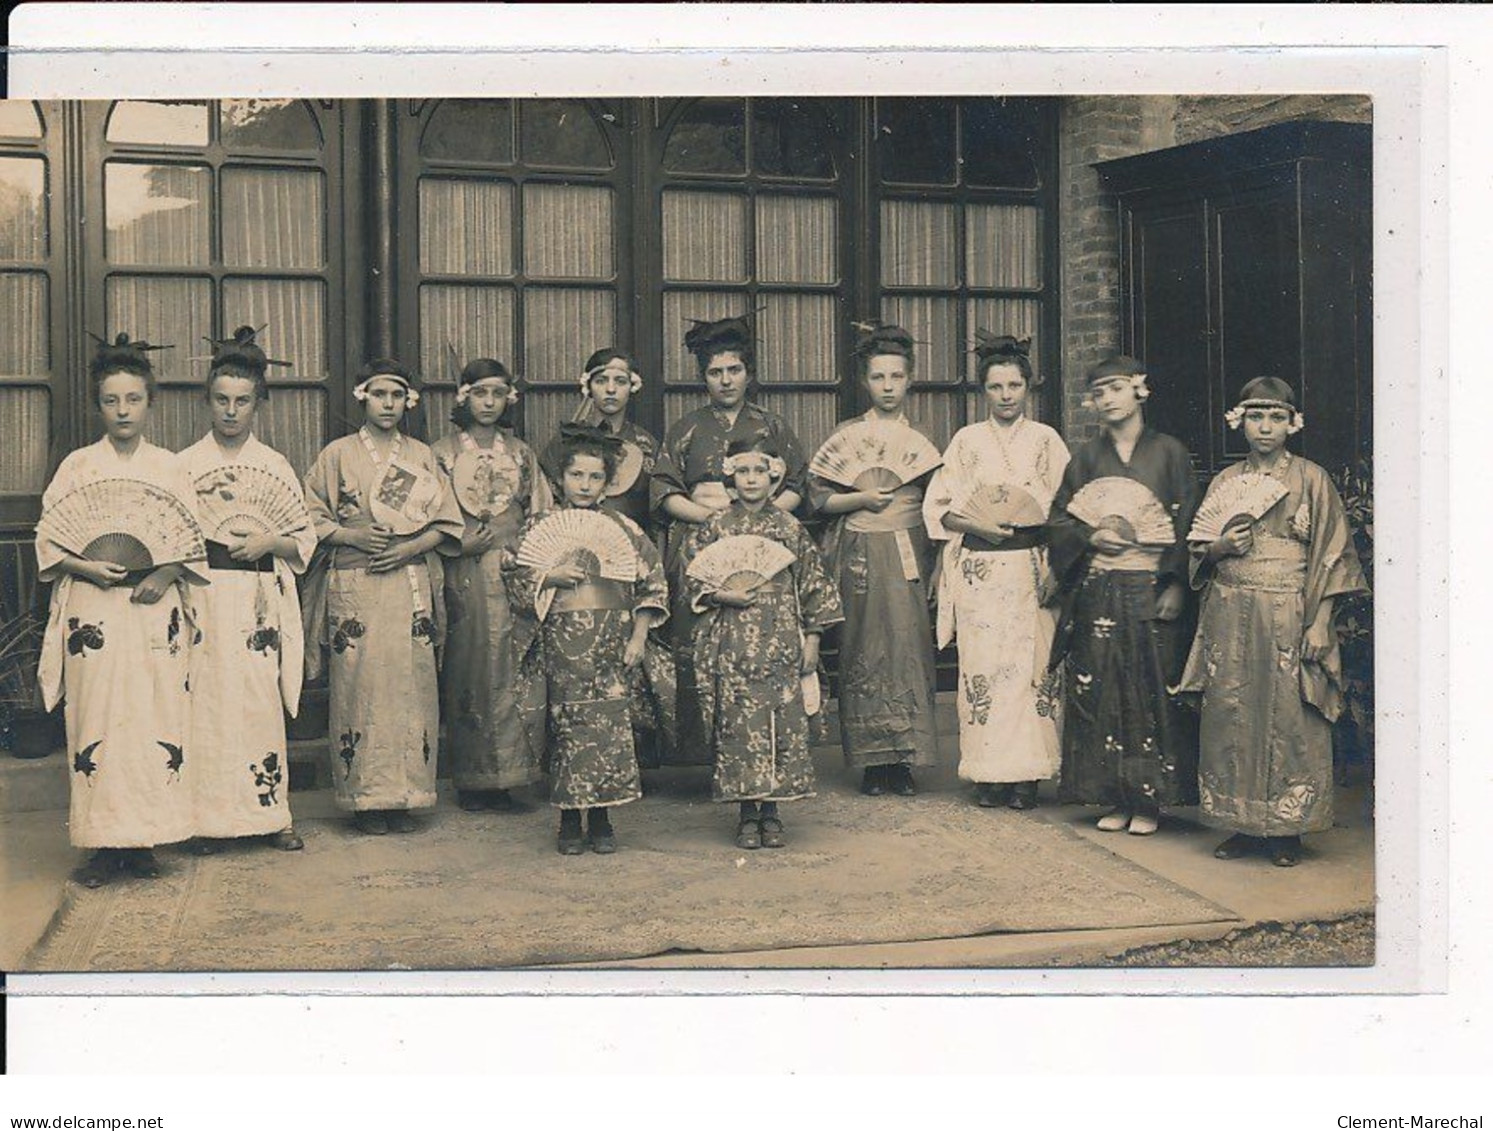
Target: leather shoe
{"x":371,"y":821}
{"x":902,"y":783}
{"x":871,"y":782}
{"x":288,"y":840}
{"x":1236,"y":846}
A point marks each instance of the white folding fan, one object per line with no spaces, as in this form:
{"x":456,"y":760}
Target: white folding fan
{"x":585,"y":538}
{"x":875,"y":455}
{"x":1240,"y":498}
{"x":239,"y":498}
{"x":134,"y":524}
{"x":1002,"y":504}
{"x":1125,"y":506}
{"x":739,"y":561}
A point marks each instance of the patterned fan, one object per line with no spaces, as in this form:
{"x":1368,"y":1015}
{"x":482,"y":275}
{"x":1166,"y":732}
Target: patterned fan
{"x":1240,"y":498}
{"x":485,"y":481}
{"x":1003,"y":504}
{"x":134,"y":524}
{"x":875,"y":454}
{"x":240,"y":498}
{"x":629,"y":467}
{"x":740,"y":561}
{"x":586,"y":538}
{"x":1125,"y":506}
{"x":406,"y":499}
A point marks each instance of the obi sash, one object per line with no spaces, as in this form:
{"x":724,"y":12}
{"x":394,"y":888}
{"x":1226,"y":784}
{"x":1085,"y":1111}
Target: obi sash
{"x":219,"y":557}
{"x":1142,"y":558}
{"x":1273,"y":565}
{"x":600,"y":593}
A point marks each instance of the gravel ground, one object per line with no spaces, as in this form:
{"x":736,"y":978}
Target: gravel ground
{"x":1337,"y":942}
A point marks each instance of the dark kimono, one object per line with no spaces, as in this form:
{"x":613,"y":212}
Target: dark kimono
{"x":577,"y":638}
{"x":748,"y":661}
{"x":1267,"y":714}
{"x":690,"y":464}
{"x":1127,"y":741}
{"x":635,"y":500}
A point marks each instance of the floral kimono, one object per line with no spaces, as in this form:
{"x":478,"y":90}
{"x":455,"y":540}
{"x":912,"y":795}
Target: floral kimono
{"x":246,"y":673}
{"x":690,"y":464}
{"x":494,"y":719}
{"x":635,"y":499}
{"x":122,"y":671}
{"x":883,"y":566}
{"x":1126,"y":740}
{"x":748,"y":664}
{"x":383,"y":630}
{"x":1267,"y":714}
{"x":1009,"y":708}
{"x":577,"y":649}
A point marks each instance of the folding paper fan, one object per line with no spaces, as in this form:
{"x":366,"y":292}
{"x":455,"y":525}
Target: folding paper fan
{"x":134,"y":524}
{"x":585,"y":538}
{"x":1003,"y":504}
{"x":1240,"y":498}
{"x":239,"y":498}
{"x":1125,"y":506}
{"x":405,"y":499}
{"x":629,"y":467}
{"x":872,"y":454}
{"x":485,"y":481}
{"x":740,"y":561}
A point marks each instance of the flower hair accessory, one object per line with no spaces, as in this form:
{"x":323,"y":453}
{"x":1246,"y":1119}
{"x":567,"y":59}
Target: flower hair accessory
{"x":776,"y":468}
{"x":411,"y":394}
{"x":1137,"y":382}
{"x":464,"y":392}
{"x":634,"y":378}
{"x":1235,"y":416}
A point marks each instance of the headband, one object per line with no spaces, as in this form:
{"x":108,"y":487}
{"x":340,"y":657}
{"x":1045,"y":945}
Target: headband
{"x":635,"y":379}
{"x":1235,"y":416}
{"x":1137,"y":382}
{"x":463,"y":392}
{"x":776,"y":468}
{"x":411,"y":394}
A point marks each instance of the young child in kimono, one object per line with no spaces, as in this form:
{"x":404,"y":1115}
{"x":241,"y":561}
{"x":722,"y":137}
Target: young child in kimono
{"x":591,"y":635}
{"x":752,"y":648}
{"x":1265,"y":660}
{"x":1127,"y":742}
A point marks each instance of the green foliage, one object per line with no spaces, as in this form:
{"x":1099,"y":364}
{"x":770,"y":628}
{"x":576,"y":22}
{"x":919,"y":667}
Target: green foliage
{"x":1355,"y":618}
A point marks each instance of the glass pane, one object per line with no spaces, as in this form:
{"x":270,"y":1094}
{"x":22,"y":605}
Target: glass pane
{"x":18,"y":118}
{"x":568,"y":231}
{"x":24,"y":313}
{"x":294,"y":423}
{"x":796,"y":239}
{"x":477,"y":321}
{"x":157,"y":214}
{"x":1019,"y":317}
{"x":919,"y":247}
{"x":561,"y":132}
{"x":174,"y":312}
{"x":544,"y":411}
{"x":470,"y":129}
{"x":812,"y":416}
{"x":178,"y":418}
{"x":561,"y":329}
{"x":28,"y":429}
{"x":23,"y":208}
{"x":679,"y":308}
{"x":1002,"y":141}
{"x":293,"y":313}
{"x":915,"y":140}
{"x":273,"y":218}
{"x":796,"y":339}
{"x":934,"y":326}
{"x":679,"y":402}
{"x":705,"y":236}
{"x":159,"y":123}
{"x":936,"y":412}
{"x":466,"y":227}
{"x":792,"y":139}
{"x":710,"y":137}
{"x":267,"y":123}
{"x":436,"y":402}
{"x":1002,"y":245}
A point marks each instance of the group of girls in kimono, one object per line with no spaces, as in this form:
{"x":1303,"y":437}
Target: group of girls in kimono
{"x":1073,"y":643}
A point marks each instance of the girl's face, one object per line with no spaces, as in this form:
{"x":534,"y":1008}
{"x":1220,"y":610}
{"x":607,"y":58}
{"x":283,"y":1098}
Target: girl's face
{"x":1115,"y":399}
{"x":584,"y":480}
{"x":384,"y":408}
{"x":886,"y":381}
{"x":1005,"y":391}
{"x":611,"y":388}
{"x":726,"y":379}
{"x":487,"y":399}
{"x":752,"y":478}
{"x":233,"y":402}
{"x":124,"y":403}
{"x":1266,"y":429}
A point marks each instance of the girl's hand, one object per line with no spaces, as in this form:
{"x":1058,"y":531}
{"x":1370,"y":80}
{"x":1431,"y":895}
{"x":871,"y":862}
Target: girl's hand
{"x":372,"y":540}
{"x":252,"y":547}
{"x":632,"y":655}
{"x":564,"y":577}
{"x":734,"y":598}
{"x":810,"y":662}
{"x":1169,"y":602}
{"x":1236,"y":542}
{"x":874,"y":501}
{"x":154,"y":587}
{"x":995,"y":535}
{"x":1108,"y":542}
{"x":105,"y":575}
{"x":479,"y":542}
{"x":390,"y":558}
{"x":1318,"y":641}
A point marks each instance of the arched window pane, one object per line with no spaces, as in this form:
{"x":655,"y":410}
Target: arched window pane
{"x":23,"y":214}
{"x":157,"y":214}
{"x":710,"y":137}
{"x":1000,"y":144}
{"x":791,"y":139}
{"x":267,"y":123}
{"x":915,"y":140}
{"x":470,"y":129}
{"x":18,"y":118}
{"x":562,"y":133}
{"x":159,"y":123}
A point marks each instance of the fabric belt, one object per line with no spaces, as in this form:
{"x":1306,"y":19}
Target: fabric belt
{"x":219,"y":557}
{"x":1022,"y":538}
{"x":1274,"y":565}
{"x":1136,"y":558}
{"x":599,"y":594}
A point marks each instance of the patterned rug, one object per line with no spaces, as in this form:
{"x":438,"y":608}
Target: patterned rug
{"x":487,"y":891}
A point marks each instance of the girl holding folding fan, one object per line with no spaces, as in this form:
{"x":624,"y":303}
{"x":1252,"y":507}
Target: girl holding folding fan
{"x":988,"y":505}
{"x":763,"y":599}
{"x":588,"y":584}
{"x":382,"y":513}
{"x":1117,"y":548}
{"x":879,"y":554}
{"x":247,"y":672}
{"x":1272,"y":553}
{"x":118,"y":535}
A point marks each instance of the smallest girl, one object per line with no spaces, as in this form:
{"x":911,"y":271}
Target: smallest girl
{"x":752,"y":649}
{"x":590,"y":637}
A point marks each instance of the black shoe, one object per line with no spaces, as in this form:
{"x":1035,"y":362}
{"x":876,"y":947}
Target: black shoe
{"x":470,"y":800}
{"x":102,"y":867}
{"x":371,"y":822}
{"x":599,"y":832}
{"x":287,"y":840}
{"x":1023,"y":795}
{"x":1236,"y":846}
{"x":571,"y":842}
{"x":202,"y":846}
{"x":873,"y":781}
{"x":1285,"y":851}
{"x":901,"y":780}
{"x":141,"y":863}
{"x":401,"y":821}
{"x":992,"y":795}
{"x":500,"y":801}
